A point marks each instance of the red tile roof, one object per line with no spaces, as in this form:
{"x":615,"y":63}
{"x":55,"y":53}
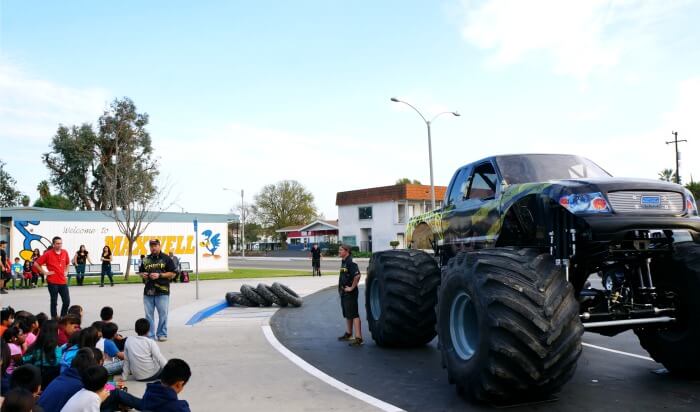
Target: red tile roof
{"x":388,"y":193}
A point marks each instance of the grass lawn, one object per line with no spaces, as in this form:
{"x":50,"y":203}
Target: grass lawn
{"x":232,"y":274}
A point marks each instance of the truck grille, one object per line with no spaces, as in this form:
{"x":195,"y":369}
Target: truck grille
{"x":665,"y":203}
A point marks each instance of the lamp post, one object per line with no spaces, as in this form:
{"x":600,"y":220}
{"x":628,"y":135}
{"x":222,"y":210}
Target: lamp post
{"x":242,"y":221}
{"x":430,"y":145}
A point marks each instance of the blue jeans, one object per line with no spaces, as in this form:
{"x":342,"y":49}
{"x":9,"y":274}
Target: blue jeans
{"x":159,"y":303}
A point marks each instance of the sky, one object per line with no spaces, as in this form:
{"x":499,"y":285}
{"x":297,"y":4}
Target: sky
{"x":244,"y":94}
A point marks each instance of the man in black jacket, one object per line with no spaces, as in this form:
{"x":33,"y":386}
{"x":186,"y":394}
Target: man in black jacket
{"x":157,"y":269}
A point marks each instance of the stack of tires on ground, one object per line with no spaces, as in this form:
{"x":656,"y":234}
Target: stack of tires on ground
{"x":264,"y":295}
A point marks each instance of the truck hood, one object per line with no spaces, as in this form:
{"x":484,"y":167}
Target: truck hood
{"x":615,"y":184}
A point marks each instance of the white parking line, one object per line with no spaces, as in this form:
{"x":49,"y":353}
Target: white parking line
{"x":632,"y":355}
{"x":267,"y":330}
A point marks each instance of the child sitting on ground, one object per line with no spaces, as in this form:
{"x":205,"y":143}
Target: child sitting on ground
{"x":27,"y":377}
{"x":113,"y":356}
{"x":142,"y":357}
{"x":15,"y":339}
{"x":93,"y":393}
{"x":7,"y":318}
{"x":162,"y":396}
{"x":67,"y":326}
{"x":106,"y":314}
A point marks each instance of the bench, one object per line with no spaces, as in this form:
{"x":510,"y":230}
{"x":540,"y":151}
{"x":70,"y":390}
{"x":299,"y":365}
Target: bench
{"x":96,"y":270}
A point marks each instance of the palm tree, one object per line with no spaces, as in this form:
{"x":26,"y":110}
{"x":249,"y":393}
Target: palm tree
{"x":667,"y":175}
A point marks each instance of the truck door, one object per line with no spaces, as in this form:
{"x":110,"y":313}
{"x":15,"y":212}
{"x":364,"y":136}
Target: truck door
{"x":478,"y":213}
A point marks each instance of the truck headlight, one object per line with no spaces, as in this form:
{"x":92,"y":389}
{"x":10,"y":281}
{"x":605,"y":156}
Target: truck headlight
{"x":690,"y":204}
{"x":585,"y":203}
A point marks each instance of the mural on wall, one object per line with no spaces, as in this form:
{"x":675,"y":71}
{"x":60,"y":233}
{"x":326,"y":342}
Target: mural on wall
{"x":30,"y":239}
{"x":211,"y":243}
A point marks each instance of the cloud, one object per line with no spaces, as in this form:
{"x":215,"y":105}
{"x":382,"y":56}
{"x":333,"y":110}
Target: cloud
{"x":580,"y":37}
{"x":32,"y":108}
{"x":30,"y":112}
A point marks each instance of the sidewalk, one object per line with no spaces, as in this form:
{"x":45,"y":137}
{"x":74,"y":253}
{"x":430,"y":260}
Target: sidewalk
{"x":234,"y":367}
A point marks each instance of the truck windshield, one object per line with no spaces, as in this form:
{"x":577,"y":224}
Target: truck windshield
{"x":517,"y":169}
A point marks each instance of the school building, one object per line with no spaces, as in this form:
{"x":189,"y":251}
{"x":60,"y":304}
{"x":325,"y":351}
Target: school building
{"x":29,"y":228}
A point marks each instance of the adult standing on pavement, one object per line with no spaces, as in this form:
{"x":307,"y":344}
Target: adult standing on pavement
{"x":157,"y":269}
{"x":79,"y":260}
{"x":54,"y":265}
{"x":316,"y":260}
{"x":5,"y":272}
{"x":106,"y":259}
{"x":347,"y":287}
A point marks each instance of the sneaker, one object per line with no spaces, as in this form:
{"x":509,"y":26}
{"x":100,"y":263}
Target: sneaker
{"x":356,"y":342}
{"x":3,"y":292}
{"x":345,"y":337}
{"x":162,"y":338}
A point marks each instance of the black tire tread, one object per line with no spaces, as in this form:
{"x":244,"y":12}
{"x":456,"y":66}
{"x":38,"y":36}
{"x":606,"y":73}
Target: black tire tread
{"x":533,"y":320}
{"x":249,"y":292}
{"x":265,"y":291}
{"x":411,"y":279}
{"x":286,"y":293}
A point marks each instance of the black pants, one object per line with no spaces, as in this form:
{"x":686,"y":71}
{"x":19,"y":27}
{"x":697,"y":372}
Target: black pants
{"x":119,"y":398}
{"x":54,"y":291}
{"x":80,"y":274}
{"x":106,"y":270}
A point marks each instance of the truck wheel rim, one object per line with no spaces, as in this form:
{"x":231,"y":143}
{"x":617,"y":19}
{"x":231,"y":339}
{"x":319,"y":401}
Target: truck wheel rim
{"x":375,"y":300}
{"x":463,"y":326}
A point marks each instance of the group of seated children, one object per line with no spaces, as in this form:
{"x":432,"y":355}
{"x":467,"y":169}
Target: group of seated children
{"x":57,"y":366}
{"x":23,"y":274}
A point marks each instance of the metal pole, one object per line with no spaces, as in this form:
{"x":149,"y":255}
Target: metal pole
{"x":430,"y":157}
{"x":675,"y":141}
{"x":242,"y":224}
{"x":196,"y":260}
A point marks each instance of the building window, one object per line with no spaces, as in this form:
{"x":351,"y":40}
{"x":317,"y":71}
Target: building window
{"x":350,"y":240}
{"x":365,"y":212}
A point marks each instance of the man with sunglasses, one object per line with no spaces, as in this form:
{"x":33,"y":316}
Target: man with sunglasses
{"x":157,"y":270}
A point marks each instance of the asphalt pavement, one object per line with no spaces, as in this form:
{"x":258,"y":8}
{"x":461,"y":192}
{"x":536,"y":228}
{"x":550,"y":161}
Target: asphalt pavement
{"x":412,"y":379}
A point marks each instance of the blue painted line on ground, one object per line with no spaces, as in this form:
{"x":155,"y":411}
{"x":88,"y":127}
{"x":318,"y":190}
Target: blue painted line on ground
{"x":207,"y":312}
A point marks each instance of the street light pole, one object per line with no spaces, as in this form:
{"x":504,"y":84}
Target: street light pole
{"x":242,"y":221}
{"x":430,"y":143}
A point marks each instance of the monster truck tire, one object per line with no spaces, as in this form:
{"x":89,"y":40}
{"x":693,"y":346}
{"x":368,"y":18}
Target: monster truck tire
{"x":265,"y":291}
{"x":253,"y":296}
{"x":285,"y":293}
{"x":235,"y":298}
{"x":508,"y":324}
{"x":400,"y":297}
{"x":677,"y":346}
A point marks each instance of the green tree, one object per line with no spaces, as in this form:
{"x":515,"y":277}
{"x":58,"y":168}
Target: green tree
{"x":285,"y":203}
{"x":694,"y":188}
{"x":9,"y":196}
{"x":83,"y":162}
{"x":47,"y":200}
{"x":407,"y":181}
{"x":26,"y":200}
{"x":253,"y":231}
{"x":667,"y":175}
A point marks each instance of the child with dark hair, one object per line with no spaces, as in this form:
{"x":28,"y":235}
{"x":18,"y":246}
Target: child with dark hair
{"x":7,"y":318}
{"x":15,"y":339}
{"x":93,"y":393}
{"x":56,"y":394}
{"x":27,"y":274}
{"x":45,"y":353}
{"x":76,"y":310}
{"x":106,"y":314}
{"x":41,"y":318}
{"x":27,"y":377}
{"x":142,"y":357}
{"x":113,"y":356}
{"x":29,"y":327}
{"x":19,"y":400}
{"x":162,"y":396}
{"x":67,"y":326}
{"x":86,"y":338}
{"x":4,"y":363}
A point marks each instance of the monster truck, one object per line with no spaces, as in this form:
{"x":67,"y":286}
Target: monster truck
{"x":504,"y":273}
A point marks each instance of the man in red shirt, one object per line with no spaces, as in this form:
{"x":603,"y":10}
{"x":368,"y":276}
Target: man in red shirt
{"x":54,"y":265}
